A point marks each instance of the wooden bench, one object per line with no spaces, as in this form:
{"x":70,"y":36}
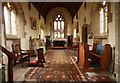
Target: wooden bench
{"x":102,"y":58}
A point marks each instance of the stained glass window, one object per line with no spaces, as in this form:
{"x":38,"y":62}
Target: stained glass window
{"x":58,"y":26}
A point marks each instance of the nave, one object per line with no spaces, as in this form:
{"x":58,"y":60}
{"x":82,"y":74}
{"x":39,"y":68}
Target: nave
{"x":60,"y":66}
{"x":92,"y":28}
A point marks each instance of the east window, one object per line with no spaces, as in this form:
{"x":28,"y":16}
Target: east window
{"x":59,"y":26}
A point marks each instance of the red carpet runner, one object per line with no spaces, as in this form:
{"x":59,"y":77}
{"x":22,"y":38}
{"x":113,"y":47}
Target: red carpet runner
{"x":58,"y":68}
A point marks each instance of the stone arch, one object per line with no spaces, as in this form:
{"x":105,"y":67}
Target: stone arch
{"x":52,"y":13}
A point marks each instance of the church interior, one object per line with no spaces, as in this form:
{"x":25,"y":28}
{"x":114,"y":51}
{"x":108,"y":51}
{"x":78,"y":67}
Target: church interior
{"x":60,"y":42}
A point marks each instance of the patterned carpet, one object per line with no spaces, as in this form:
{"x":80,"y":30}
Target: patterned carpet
{"x":59,"y":67}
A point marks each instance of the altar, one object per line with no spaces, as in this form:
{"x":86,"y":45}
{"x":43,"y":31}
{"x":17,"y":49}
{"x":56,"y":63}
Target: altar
{"x":59,"y":42}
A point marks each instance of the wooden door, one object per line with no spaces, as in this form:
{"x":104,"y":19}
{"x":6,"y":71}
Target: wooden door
{"x":84,"y":34}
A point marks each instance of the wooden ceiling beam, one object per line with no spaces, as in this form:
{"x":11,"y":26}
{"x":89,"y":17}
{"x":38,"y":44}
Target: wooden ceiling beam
{"x":44,"y":7}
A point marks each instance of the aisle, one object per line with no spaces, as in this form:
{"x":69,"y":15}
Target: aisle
{"x":58,"y":67}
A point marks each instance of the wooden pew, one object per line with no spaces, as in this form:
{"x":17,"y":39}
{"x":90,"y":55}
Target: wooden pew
{"x":103,"y":59}
{"x":84,"y":61}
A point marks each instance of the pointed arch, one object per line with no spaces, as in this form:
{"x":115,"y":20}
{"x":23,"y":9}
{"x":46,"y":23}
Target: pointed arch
{"x":67,"y":23}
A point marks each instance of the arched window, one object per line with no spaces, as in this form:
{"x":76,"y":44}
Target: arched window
{"x":103,"y":18}
{"x":10,"y":19}
{"x":59,"y":26}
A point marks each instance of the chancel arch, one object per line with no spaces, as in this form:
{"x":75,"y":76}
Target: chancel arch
{"x":67,"y":21}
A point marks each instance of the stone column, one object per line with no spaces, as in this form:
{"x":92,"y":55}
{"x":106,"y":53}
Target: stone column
{"x":117,"y":40}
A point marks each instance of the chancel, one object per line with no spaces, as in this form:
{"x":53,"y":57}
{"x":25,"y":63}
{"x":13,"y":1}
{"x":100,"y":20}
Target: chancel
{"x":60,"y":41}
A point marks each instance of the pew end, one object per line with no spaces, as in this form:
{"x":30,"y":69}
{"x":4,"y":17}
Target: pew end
{"x":86,"y":58}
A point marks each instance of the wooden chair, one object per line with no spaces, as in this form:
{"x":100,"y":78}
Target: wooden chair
{"x":20,"y":54}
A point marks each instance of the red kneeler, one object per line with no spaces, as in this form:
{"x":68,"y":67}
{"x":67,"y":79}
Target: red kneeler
{"x":40,"y":61}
